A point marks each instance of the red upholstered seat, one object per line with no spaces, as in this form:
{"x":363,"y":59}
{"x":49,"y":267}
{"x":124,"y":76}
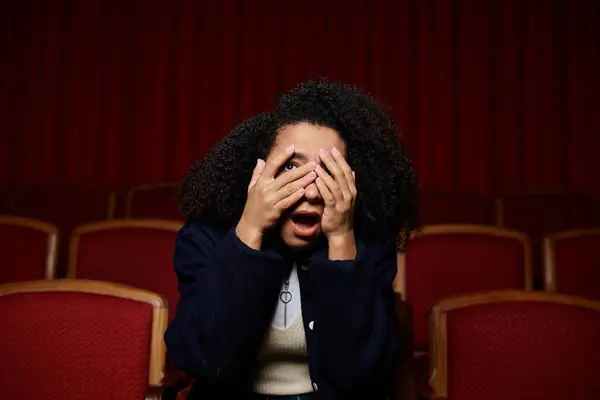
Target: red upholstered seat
{"x":516,"y":345}
{"x":28,"y":249}
{"x":541,"y":214}
{"x":456,"y":208}
{"x":74,"y":340}
{"x":65,"y":205}
{"x":572,"y":263}
{"x":156,"y":200}
{"x":445,"y":260}
{"x":132,"y":252}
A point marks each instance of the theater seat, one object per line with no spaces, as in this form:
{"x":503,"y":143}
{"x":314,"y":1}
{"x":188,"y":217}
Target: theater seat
{"x":28,"y":249}
{"x":517,"y":345}
{"x":77,"y":340}
{"x":572,"y":263}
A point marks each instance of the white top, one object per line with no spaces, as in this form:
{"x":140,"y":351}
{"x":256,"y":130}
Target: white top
{"x":282,"y":365}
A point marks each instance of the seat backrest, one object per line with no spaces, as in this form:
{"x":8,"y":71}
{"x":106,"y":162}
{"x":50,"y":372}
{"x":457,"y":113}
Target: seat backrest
{"x":517,"y":345}
{"x":540,"y":214}
{"x":28,"y":249}
{"x":456,"y":208}
{"x":131,"y":252}
{"x":572,"y":263}
{"x":65,"y":205}
{"x":66,"y":339}
{"x":444,"y":260}
{"x":155,"y":200}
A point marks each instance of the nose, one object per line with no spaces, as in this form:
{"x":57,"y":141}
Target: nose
{"x":312,"y":193}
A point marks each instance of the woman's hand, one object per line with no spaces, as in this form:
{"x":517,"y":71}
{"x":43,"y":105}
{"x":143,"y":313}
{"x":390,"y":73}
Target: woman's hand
{"x":269,"y":196}
{"x":339,"y":194}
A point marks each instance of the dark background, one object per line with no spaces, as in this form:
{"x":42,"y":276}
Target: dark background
{"x":492,"y":96}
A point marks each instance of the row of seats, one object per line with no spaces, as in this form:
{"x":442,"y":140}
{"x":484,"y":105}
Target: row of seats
{"x":541,"y":212}
{"x":458,"y":260}
{"x":90,"y":202}
{"x":443,"y":260}
{"x":104,"y":340}
{"x":68,"y":205}
{"x":446,"y":261}
{"x":132,"y":252}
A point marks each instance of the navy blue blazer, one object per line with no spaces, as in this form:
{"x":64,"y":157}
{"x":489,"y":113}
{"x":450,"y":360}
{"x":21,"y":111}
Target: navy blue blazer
{"x":228,"y":296}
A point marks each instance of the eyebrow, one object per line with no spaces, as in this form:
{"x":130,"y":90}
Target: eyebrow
{"x":300,"y":156}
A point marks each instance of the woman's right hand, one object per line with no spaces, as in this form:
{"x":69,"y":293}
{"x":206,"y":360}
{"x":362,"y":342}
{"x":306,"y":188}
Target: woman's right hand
{"x":270,"y":195}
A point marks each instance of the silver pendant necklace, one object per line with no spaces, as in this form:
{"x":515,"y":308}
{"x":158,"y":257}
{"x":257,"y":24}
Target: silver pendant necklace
{"x":285,"y":296}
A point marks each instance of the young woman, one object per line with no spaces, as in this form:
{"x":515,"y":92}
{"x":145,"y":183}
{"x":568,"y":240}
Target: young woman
{"x":286,"y":261}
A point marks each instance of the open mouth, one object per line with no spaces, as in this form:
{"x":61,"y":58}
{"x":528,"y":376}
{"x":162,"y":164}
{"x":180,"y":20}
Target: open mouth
{"x":306,"y":223}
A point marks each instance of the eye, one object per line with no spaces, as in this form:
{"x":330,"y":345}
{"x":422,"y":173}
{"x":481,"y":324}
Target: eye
{"x":289,"y":166}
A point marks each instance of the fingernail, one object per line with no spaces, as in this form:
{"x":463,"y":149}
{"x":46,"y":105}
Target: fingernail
{"x":290,"y":148}
{"x":312,"y":175}
{"x":311,"y":165}
{"x":322,"y":152}
{"x":257,"y":161}
{"x":319,"y":168}
{"x":335,"y":152}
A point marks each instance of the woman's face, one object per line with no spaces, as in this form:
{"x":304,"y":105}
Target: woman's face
{"x":301,"y":225}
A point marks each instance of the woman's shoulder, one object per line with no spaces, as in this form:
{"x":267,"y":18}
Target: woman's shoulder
{"x":205,"y":228}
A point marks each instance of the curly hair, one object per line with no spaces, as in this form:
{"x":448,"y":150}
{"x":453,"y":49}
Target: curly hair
{"x":215,"y":188}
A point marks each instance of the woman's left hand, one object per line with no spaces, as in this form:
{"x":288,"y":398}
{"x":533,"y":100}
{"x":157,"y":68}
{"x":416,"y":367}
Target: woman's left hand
{"x":338,"y":191}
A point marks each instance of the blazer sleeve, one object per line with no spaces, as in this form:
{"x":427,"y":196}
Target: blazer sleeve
{"x":225,"y":289}
{"x":354,"y":322}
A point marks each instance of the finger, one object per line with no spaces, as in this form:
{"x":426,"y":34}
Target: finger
{"x":291,"y":176}
{"x":348,"y":173}
{"x":290,"y":200}
{"x":294,"y":186}
{"x":331,"y":184}
{"x":275,"y":162}
{"x":336,"y":172}
{"x":257,"y":173}
{"x":325,"y":192}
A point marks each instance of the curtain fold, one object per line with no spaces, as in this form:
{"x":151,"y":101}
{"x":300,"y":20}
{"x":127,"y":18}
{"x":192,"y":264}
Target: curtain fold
{"x":491,"y":96}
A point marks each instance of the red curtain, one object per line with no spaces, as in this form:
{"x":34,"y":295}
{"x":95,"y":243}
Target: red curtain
{"x":492,"y":96}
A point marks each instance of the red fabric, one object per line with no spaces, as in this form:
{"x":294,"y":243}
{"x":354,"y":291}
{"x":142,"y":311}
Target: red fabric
{"x":462,"y":208}
{"x":441,"y":265}
{"x":140,"y":257}
{"x":4,"y":198}
{"x":543,"y":214}
{"x":578,"y":266}
{"x":523,"y":351}
{"x":492,"y":96}
{"x":23,"y":253}
{"x":159,"y":202}
{"x":73,"y":346}
{"x":64,"y":205}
